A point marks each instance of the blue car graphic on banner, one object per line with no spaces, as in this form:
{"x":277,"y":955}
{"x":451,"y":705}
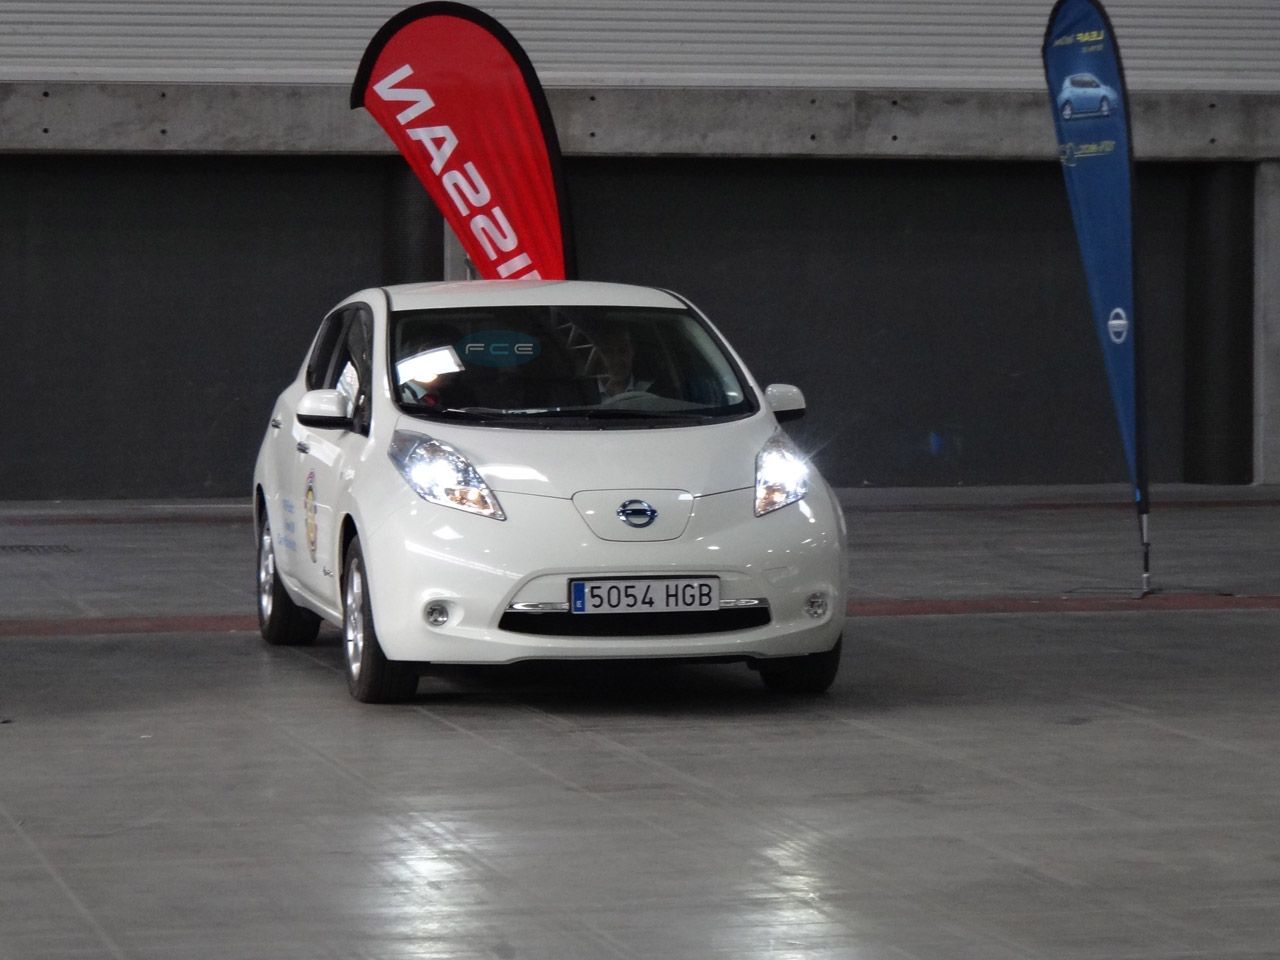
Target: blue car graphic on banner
{"x":1084,"y":95}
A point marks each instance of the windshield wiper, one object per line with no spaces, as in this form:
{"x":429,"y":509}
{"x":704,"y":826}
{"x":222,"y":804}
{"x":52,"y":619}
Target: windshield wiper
{"x":609,"y":413}
{"x":458,"y":413}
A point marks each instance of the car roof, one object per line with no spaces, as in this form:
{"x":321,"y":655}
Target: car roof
{"x":503,"y":293}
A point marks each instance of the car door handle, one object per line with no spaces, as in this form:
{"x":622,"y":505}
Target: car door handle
{"x":275,"y":423}
{"x":304,"y":447}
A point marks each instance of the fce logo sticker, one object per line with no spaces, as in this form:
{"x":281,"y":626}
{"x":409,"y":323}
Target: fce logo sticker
{"x":498,"y":348}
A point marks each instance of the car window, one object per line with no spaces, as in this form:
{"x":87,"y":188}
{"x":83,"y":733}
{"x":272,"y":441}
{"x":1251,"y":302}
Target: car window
{"x":527,"y":365}
{"x":342,"y":360}
{"x":320,"y":363}
{"x":351,"y":371}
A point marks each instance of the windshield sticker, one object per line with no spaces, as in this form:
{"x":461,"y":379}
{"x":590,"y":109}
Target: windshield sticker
{"x":498,"y":348}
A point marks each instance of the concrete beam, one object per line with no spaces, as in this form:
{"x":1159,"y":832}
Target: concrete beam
{"x":617,"y":121}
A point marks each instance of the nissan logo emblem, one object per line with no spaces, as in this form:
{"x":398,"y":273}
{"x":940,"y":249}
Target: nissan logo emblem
{"x":1118,"y":325}
{"x":637,"y":513}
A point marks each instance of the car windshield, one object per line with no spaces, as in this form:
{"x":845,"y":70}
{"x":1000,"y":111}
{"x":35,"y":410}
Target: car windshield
{"x":579,"y":367}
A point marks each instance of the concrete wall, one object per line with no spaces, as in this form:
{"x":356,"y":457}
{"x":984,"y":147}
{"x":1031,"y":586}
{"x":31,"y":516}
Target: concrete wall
{"x":154,"y":307}
{"x":932,"y":310}
{"x":922,"y":128}
{"x":912,"y":128}
{"x":606,"y":121}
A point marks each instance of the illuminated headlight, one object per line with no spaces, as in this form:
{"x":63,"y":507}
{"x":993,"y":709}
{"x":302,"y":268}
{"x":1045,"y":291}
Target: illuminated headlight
{"x":782,"y":476}
{"x":442,"y":475}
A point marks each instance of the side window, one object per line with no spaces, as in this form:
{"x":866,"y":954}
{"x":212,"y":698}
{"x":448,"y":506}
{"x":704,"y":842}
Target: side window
{"x":351,"y":371}
{"x":322,"y":354}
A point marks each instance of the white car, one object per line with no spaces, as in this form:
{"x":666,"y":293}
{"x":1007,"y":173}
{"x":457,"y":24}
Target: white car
{"x":495,"y":471}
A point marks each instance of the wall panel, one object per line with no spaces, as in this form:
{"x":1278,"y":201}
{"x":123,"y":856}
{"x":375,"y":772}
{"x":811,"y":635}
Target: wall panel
{"x":1231,"y":45}
{"x":934,"y":313}
{"x":156,"y":306}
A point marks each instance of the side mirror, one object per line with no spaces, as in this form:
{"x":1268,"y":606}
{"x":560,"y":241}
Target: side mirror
{"x":786,"y":401}
{"x":325,"y":410}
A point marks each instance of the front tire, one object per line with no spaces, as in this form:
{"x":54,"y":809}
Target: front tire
{"x":807,"y":675}
{"x":281,"y":621}
{"x":371,"y":677}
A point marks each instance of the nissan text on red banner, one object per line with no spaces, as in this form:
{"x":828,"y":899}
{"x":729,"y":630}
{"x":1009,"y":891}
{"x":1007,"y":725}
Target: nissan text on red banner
{"x":462,"y":103}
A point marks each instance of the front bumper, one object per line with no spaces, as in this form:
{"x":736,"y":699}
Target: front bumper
{"x":482,"y":569}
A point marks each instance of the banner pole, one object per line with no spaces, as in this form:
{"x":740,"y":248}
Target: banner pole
{"x":1144,"y":525}
{"x":1090,"y":102}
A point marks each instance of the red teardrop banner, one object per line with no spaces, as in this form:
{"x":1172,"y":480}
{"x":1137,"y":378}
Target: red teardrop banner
{"x":461,"y":101}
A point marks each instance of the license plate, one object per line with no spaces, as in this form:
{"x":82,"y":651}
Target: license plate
{"x":644,"y":596}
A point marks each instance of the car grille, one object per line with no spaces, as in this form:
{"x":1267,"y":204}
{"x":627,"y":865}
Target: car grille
{"x":564,"y":624}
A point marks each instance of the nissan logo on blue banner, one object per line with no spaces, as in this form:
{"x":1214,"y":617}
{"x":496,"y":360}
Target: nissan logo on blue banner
{"x":1091,"y":117}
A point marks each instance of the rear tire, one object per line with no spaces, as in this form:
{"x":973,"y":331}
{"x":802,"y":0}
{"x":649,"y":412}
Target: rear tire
{"x":371,"y":677}
{"x":808,"y":675}
{"x":281,"y":621}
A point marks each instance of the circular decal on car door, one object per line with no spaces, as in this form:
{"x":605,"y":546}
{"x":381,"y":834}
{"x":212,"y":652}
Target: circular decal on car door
{"x":309,"y":507}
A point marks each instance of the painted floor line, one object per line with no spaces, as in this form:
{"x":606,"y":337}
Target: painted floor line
{"x":91,"y":626}
{"x":852,"y":508}
{"x":972,"y":606}
{"x":142,"y":520}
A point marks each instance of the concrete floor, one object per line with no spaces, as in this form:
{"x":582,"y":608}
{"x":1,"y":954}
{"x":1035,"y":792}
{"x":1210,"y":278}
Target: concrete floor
{"x":1017,"y":761}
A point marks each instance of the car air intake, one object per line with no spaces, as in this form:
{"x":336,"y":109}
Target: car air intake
{"x":634,"y":625}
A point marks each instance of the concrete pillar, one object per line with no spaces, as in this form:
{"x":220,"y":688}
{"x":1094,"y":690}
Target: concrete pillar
{"x":1266,"y":324}
{"x":412,"y":250}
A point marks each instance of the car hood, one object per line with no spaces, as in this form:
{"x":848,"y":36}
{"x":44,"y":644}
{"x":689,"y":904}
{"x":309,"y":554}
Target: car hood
{"x":560,"y":463}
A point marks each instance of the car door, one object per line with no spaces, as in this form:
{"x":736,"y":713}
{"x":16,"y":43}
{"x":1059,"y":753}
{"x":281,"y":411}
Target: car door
{"x":286,"y":469}
{"x":325,"y":455}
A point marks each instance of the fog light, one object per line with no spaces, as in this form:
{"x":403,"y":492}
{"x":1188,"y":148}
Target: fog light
{"x":816,"y":605}
{"x":437,"y":613}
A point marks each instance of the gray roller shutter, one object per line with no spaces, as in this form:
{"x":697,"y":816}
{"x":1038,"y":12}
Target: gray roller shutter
{"x":1232,"y":45}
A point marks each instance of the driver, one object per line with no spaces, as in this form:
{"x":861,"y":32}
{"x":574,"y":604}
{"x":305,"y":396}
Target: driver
{"x":615,"y":354}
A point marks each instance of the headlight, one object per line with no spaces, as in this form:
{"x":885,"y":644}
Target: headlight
{"x":442,"y":475}
{"x":782,"y":476}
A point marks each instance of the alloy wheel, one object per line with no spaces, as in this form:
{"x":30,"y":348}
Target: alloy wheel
{"x":266,"y":573}
{"x":353,"y":619}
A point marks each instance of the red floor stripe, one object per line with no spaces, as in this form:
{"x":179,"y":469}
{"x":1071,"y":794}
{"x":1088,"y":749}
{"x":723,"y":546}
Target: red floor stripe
{"x":89,"y":626}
